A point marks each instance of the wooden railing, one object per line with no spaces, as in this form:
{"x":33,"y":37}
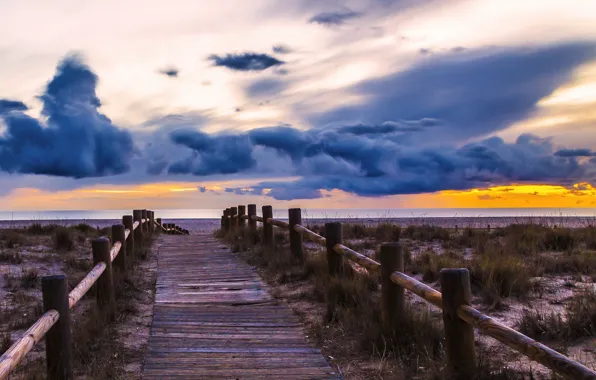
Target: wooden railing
{"x":459,"y":318}
{"x":54,"y":324}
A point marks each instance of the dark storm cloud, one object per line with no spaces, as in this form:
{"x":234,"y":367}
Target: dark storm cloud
{"x":575,"y":153}
{"x":223,"y":154}
{"x":76,"y":140}
{"x":11,"y":105}
{"x":476,"y":93}
{"x":334,"y":18}
{"x":376,"y":164}
{"x":281,"y":49}
{"x":246,"y":61}
{"x":265,"y":87}
{"x":170,"y":72}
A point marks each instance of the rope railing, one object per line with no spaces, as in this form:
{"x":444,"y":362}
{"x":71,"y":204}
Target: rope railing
{"x":54,"y":291}
{"x":459,"y":317}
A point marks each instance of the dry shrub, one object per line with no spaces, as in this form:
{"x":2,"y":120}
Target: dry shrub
{"x":426,"y":233}
{"x":5,"y":342}
{"x":27,"y":319}
{"x":579,"y":320}
{"x":29,"y":278}
{"x":12,"y":239}
{"x":502,"y":275}
{"x":569,"y":262}
{"x":11,"y":257}
{"x":63,"y":239}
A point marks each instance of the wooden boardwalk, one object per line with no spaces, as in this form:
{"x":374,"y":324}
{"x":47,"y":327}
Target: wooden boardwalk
{"x":215,"y":319}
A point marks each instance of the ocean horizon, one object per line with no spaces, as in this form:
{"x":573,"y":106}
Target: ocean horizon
{"x":394,"y":213}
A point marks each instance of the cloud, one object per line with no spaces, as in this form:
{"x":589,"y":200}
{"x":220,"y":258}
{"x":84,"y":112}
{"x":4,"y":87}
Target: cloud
{"x":265,"y":87}
{"x":246,"y":61}
{"x":75,"y":140}
{"x":474,"y":93}
{"x":281,"y":49}
{"x":376,"y":164}
{"x":575,"y":153}
{"x":11,"y":105}
{"x":171,"y":72}
{"x":334,"y":18}
{"x":391,"y":126}
{"x":223,"y":154}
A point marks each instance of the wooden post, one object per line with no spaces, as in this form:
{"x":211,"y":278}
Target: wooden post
{"x":229,"y":220}
{"x":118,"y":235}
{"x":234,"y":213}
{"x":158,"y":220}
{"x":241,"y":213}
{"x":459,"y":336}
{"x":267,"y":227}
{"x":59,"y":338}
{"x":252,"y":224}
{"x":295,"y":217}
{"x":151,"y":222}
{"x":333,"y":235}
{"x":130,"y":242}
{"x":106,"y":300}
{"x":222,"y":228}
{"x":145,"y":225}
{"x":137,"y":215}
{"x":392,"y":260}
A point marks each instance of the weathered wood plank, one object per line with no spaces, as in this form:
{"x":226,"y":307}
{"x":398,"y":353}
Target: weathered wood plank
{"x":214,"y":318}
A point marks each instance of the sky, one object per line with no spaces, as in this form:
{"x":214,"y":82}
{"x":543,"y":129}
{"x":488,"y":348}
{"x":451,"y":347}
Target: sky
{"x":318,"y":104}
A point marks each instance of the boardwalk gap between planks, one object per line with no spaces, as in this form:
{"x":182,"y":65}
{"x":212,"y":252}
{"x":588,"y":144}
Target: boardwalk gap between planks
{"x":214,"y":318}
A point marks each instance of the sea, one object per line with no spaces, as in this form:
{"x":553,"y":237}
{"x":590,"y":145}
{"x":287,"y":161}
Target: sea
{"x":209,"y":219}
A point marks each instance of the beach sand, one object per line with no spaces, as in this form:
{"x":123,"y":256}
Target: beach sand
{"x":206,"y":225}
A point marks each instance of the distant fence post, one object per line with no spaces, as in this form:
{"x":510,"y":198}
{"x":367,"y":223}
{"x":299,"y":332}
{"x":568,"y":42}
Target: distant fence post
{"x":228,"y":221}
{"x":144,"y":225}
{"x":392,"y":260}
{"x":118,"y":235}
{"x":294,"y":218}
{"x":137,"y":215}
{"x":241,"y":213}
{"x":130,"y":242}
{"x":151,"y":222}
{"x":158,"y":220}
{"x":333,"y":235}
{"x":234,"y":220}
{"x":223,"y":221}
{"x":59,"y":338}
{"x":459,"y":336}
{"x":267,"y":227}
{"x":105,"y":284}
{"x":252,"y":224}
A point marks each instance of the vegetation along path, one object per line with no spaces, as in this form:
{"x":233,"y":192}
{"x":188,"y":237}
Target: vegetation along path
{"x":214,"y":318}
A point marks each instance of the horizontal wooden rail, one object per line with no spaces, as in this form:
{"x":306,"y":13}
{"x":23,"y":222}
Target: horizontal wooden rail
{"x":115,"y":250}
{"x":362,"y":260}
{"x":421,"y":290}
{"x":278,"y":223}
{"x":310,"y":235}
{"x":257,"y":218}
{"x":86,"y":283}
{"x":11,"y":358}
{"x":538,"y":352}
{"x":465,"y":314}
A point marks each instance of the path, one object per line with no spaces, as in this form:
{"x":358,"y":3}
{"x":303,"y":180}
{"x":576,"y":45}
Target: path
{"x":214,"y":318}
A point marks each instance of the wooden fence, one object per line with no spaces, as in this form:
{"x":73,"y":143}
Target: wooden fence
{"x":54,"y":324}
{"x":459,"y":318}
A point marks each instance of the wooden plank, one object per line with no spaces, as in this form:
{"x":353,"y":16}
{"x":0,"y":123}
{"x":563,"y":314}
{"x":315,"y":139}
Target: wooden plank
{"x":214,"y":318}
